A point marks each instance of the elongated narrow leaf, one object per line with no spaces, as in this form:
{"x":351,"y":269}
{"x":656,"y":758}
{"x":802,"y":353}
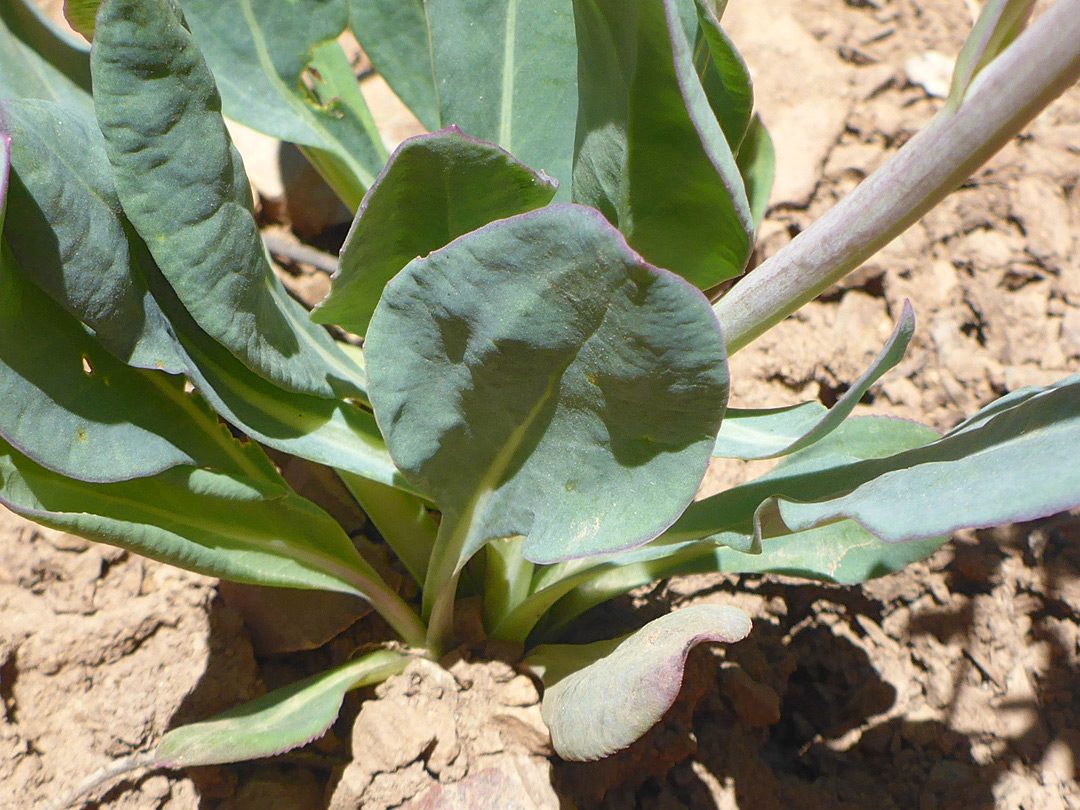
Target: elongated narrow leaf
{"x":506,"y":73}
{"x":183,"y":187}
{"x":723,"y":73}
{"x":225,"y":526}
{"x":602,"y":707}
{"x":328,"y":431}
{"x":36,"y":62}
{"x":394,"y":35}
{"x":757,"y":165}
{"x":997,"y":26}
{"x":277,"y":722}
{"x":756,"y":434}
{"x":5,"y":173}
{"x":650,"y":153}
{"x":74,"y":408}
{"x":261,"y":54}
{"x":841,"y":552}
{"x":434,"y":189}
{"x":538,"y":378}
{"x":1019,"y":464}
{"x":67,"y":231}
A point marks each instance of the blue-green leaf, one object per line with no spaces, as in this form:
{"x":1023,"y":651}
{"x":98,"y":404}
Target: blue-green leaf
{"x":540,"y":355}
{"x":649,"y":152}
{"x":723,"y":73}
{"x":266,"y":54}
{"x":599,"y":699}
{"x":1017,"y":464}
{"x":506,"y":73}
{"x":757,"y":434}
{"x":37,"y":62}
{"x":757,"y":165}
{"x":434,"y":189}
{"x":67,"y":231}
{"x":183,"y":187}
{"x":997,"y":26}
{"x":394,"y":35}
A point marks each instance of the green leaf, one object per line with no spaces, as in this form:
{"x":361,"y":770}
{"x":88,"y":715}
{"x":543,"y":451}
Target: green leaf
{"x":74,"y":408}
{"x":723,"y":74}
{"x":650,"y":153}
{"x":5,"y":173}
{"x":757,"y":434}
{"x":540,"y":354}
{"x":67,"y":231}
{"x":600,"y":708}
{"x":434,"y":189}
{"x":36,"y":62}
{"x":183,"y":187}
{"x":757,"y":165}
{"x":394,"y":35}
{"x":506,"y":73}
{"x":277,"y":722}
{"x":1018,"y":464}
{"x":81,"y":15}
{"x":216,"y":524}
{"x":998,"y":25}
{"x":263,"y":55}
{"x":334,"y":432}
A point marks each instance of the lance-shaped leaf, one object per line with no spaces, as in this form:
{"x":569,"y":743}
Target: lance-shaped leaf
{"x":183,"y":187}
{"x":434,"y":189}
{"x":1018,"y":464}
{"x":277,"y":722}
{"x":394,"y":35}
{"x":756,"y":434}
{"x":328,"y":431}
{"x":263,"y":55}
{"x":650,"y":153}
{"x":722,"y":71}
{"x":37,"y":62}
{"x":74,"y":408}
{"x":67,"y":231}
{"x":506,"y":73}
{"x":595,"y":709}
{"x":997,"y":26}
{"x":227,"y":526}
{"x":757,"y":165}
{"x":538,"y":378}
{"x":5,"y":173}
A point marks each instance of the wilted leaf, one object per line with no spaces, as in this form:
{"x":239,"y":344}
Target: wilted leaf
{"x":594,"y":709}
{"x":434,"y":189}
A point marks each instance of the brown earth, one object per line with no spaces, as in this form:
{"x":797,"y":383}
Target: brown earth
{"x":953,"y":684}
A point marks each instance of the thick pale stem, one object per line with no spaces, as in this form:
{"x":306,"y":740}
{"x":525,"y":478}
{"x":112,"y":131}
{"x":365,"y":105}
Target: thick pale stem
{"x":1034,"y":70}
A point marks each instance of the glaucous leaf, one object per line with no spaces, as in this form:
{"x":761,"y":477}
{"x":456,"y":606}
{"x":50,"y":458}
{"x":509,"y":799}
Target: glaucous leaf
{"x":35,"y":62}
{"x":279,"y":721}
{"x":538,"y":378}
{"x":650,"y":153}
{"x":723,"y":73}
{"x":507,"y":73}
{"x":394,"y":35}
{"x":1018,"y":464}
{"x":767,"y":433}
{"x":220,"y":525}
{"x":597,"y":708}
{"x":757,"y":165}
{"x":261,"y":53}
{"x":68,"y":232}
{"x":74,"y":408}
{"x":434,"y":189}
{"x":997,"y":26}
{"x":183,"y":187}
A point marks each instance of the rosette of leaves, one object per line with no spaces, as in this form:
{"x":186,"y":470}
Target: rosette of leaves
{"x":542,"y":381}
